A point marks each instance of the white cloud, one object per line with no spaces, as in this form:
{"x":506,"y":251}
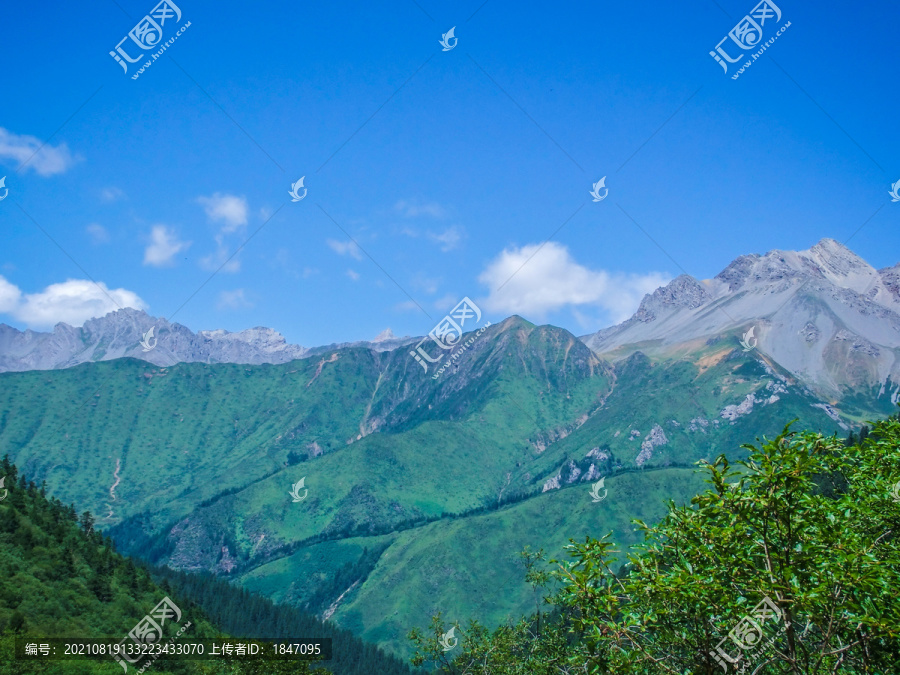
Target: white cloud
{"x":164,"y":245}
{"x":98,"y":233}
{"x":236,"y":299}
{"x":45,"y":160}
{"x":345,"y":248}
{"x":414,"y":209}
{"x":231,"y":211}
{"x":536,"y":281}
{"x":353,"y":275}
{"x":228,"y":209}
{"x":448,"y":239}
{"x":9,"y":296}
{"x":73,"y":302}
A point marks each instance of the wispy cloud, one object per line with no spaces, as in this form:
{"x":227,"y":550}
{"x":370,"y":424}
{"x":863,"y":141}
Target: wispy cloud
{"x":73,"y":301}
{"x":230,"y":210}
{"x":214,"y":261}
{"x":353,"y":275}
{"x":448,"y":239}
{"x":533,"y":281}
{"x":111,"y":194}
{"x":163,"y":247}
{"x":345,"y":248}
{"x":236,"y":299}
{"x":98,"y":233}
{"x":45,"y":160}
{"x":10,"y":296}
{"x":415,"y":209}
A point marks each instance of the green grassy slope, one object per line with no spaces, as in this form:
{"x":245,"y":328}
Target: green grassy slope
{"x":469,"y":566}
{"x":685,"y":398}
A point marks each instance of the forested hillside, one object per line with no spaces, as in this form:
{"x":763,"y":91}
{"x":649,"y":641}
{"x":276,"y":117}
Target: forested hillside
{"x":60,"y":577}
{"x":237,"y":611}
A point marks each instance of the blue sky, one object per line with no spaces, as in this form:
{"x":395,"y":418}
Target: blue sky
{"x":448,"y":168}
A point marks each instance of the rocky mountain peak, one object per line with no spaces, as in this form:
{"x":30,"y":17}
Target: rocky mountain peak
{"x":119,"y":334}
{"x":827,"y":260}
{"x":833,"y":254}
{"x":126,"y":317}
{"x":823,"y":314}
{"x":890,"y":277}
{"x":682,"y":291}
{"x":841,"y":266}
{"x":738,"y":272}
{"x":264,"y":338}
{"x":828,"y":248}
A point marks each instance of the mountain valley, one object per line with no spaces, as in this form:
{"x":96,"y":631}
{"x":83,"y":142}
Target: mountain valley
{"x":421,"y":492}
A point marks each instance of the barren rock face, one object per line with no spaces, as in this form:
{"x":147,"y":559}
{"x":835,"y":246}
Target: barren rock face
{"x":120,"y":333}
{"x":824,"y":314}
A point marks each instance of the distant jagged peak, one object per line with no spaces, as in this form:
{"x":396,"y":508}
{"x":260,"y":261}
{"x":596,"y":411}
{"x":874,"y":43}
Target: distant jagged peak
{"x":121,"y":333}
{"x":837,"y":261}
{"x":683,"y":291}
{"x":762,"y":270}
{"x":257,"y":334}
{"x":831,"y":253}
{"x":738,"y":271}
{"x":60,"y":328}
{"x":822,"y":314}
{"x":123,"y":312}
{"x":827,"y":260}
{"x":213,"y":334}
{"x":125,"y":315}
